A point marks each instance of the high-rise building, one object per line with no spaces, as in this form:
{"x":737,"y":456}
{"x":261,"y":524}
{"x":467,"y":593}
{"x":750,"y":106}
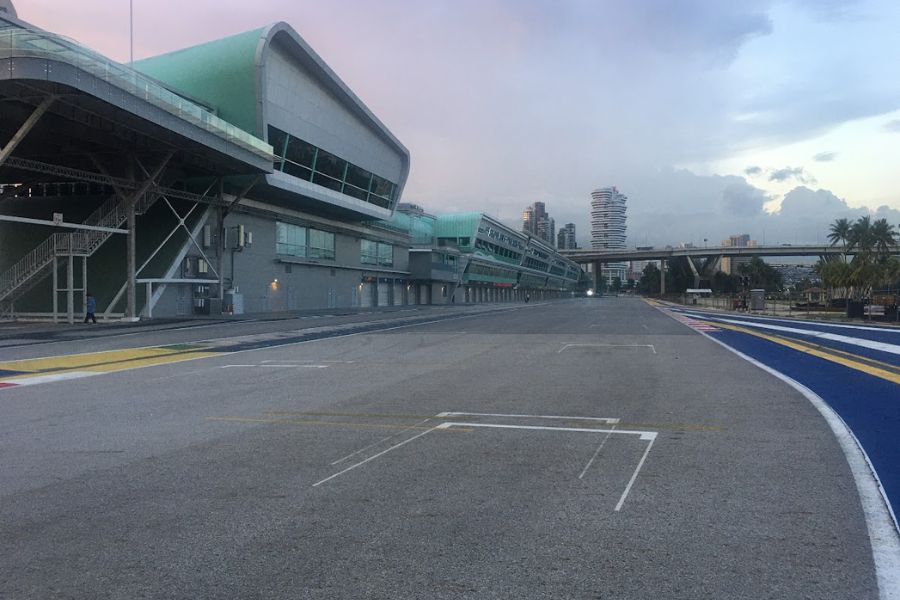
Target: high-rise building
{"x":730,"y":265}
{"x":565,"y":240}
{"x":608,"y":226}
{"x":529,"y":225}
{"x":536,"y":222}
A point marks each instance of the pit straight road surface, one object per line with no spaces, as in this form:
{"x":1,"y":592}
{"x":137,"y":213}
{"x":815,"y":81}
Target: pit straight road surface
{"x":592,"y":448}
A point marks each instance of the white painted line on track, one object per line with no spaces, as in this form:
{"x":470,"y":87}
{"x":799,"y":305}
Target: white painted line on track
{"x":52,"y":378}
{"x":644,"y":435}
{"x":634,"y":475}
{"x":516,"y":416}
{"x":270,"y":347}
{"x":303,"y":362}
{"x":381,"y":441}
{"x":805,"y":322}
{"x":863,"y":343}
{"x":270,"y":366}
{"x":567,"y":346}
{"x":881,"y":522}
{"x":596,"y":453}
{"x":374,"y":456}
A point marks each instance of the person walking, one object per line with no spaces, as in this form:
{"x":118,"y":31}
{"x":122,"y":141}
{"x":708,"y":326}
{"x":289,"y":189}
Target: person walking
{"x":89,"y":308}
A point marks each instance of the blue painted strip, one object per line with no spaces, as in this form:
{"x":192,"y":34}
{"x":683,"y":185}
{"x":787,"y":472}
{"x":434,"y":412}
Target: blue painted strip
{"x":869,"y":405}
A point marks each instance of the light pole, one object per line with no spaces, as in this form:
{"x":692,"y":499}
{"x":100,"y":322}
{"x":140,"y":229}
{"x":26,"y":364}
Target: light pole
{"x":130,"y":33}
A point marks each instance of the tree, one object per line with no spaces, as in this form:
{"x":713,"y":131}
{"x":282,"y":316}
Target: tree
{"x":723,"y":283}
{"x":762,"y":274}
{"x":836,"y":276}
{"x":884,"y":238}
{"x":872,"y":264}
{"x":649,"y":283}
{"x":839,"y":232}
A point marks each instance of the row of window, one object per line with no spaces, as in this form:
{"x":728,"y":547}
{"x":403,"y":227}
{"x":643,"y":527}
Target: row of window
{"x":479,"y":269}
{"x":376,"y":253}
{"x":303,"y":242}
{"x":305,"y":161}
{"x":306,"y":242}
{"x":500,"y":252}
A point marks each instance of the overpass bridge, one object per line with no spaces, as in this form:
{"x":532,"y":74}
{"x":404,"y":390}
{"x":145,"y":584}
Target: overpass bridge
{"x":713,"y":255}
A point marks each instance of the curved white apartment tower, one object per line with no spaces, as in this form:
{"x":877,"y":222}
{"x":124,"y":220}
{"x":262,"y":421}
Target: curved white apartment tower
{"x":608,"y":226}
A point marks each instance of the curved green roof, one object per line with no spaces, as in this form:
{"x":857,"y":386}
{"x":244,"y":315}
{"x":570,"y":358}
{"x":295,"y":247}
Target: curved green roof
{"x":220,"y":73}
{"x":458,"y":225}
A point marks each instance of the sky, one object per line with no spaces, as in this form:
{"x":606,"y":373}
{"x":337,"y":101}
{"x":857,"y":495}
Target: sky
{"x":772,"y":118}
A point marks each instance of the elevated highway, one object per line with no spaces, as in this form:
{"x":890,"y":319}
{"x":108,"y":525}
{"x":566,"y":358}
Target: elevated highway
{"x":714,"y":254}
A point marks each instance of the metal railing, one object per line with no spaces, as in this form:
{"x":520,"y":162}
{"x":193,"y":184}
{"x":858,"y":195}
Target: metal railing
{"x":25,"y":43}
{"x":111,"y":214}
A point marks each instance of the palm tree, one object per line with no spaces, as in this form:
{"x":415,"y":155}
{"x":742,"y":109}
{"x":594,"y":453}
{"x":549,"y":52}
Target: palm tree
{"x":840,"y":232}
{"x":860,"y":237}
{"x":884,"y":238}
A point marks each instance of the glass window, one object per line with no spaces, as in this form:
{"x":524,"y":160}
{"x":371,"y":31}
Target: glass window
{"x":305,"y":161}
{"x":326,"y":181}
{"x":385,"y":255}
{"x":359,"y":178}
{"x":290,"y":239}
{"x":277,"y":139}
{"x":368,"y":252}
{"x":321,"y":244}
{"x":297,"y":170}
{"x":300,"y":152}
{"x":329,"y":164}
{"x":355,"y":192}
{"x":381,"y":187}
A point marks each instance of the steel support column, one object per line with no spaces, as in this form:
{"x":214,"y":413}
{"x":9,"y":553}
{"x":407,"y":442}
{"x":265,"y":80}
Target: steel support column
{"x":70,"y":285}
{"x":55,"y":288}
{"x":26,"y":127}
{"x":130,"y":254}
{"x":597,"y":275}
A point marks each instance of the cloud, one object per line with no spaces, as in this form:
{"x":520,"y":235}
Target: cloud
{"x":673,"y":206}
{"x":892,"y":126}
{"x":753,"y":171}
{"x":743,"y":200}
{"x":797,"y":173}
{"x":825,"y":156}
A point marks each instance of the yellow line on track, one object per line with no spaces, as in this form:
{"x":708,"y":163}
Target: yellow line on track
{"x":865,"y":365}
{"x":102,"y":362}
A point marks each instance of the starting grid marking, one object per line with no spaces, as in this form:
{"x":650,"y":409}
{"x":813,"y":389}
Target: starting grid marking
{"x":647,"y":436}
{"x":691,"y":322}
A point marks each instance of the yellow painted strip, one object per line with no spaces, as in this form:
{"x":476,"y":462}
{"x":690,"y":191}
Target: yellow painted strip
{"x":91,"y":359}
{"x":820,"y":352}
{"x":332,"y":423}
{"x":153,"y":360}
{"x":101,"y":362}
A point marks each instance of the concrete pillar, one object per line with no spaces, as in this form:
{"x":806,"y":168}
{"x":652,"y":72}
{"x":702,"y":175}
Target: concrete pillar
{"x":220,"y":245}
{"x":597,"y":274}
{"x":662,"y":277}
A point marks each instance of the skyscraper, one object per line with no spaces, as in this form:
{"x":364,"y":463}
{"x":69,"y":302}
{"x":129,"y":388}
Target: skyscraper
{"x":536,"y":222}
{"x":529,"y":224}
{"x":566,"y":238}
{"x":608,"y":226}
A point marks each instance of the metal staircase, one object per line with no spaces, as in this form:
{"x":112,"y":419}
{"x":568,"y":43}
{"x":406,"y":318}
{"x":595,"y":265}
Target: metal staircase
{"x":35,"y":266}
